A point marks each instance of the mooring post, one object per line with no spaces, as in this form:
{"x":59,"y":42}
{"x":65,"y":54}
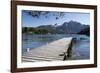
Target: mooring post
{"x":28,"y":49}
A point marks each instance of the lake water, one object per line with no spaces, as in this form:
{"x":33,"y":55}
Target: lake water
{"x":80,"y":50}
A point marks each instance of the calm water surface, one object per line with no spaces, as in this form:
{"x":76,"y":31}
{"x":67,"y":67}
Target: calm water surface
{"x":80,"y":50}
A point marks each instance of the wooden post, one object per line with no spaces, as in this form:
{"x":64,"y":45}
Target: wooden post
{"x":28,"y":49}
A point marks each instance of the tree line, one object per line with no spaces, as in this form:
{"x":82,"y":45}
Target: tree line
{"x":34,"y":30}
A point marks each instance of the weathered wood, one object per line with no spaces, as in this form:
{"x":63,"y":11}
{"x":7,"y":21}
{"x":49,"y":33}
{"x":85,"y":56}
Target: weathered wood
{"x":56,"y":50}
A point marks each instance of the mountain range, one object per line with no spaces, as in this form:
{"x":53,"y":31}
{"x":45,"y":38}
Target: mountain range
{"x":71,"y":27}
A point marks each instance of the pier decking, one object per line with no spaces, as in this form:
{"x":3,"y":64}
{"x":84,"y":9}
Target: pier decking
{"x":58,"y":50}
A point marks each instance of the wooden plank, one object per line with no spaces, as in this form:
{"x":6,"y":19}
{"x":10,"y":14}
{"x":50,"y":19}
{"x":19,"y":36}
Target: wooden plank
{"x":51,"y":51}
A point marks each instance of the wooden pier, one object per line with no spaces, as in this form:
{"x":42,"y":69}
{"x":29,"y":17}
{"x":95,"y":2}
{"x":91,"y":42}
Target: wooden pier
{"x":57,"y":50}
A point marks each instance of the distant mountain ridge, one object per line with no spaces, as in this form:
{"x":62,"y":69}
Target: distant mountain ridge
{"x":71,"y":27}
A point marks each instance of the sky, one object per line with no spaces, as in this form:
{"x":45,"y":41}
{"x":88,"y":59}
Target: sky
{"x":30,"y":21}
